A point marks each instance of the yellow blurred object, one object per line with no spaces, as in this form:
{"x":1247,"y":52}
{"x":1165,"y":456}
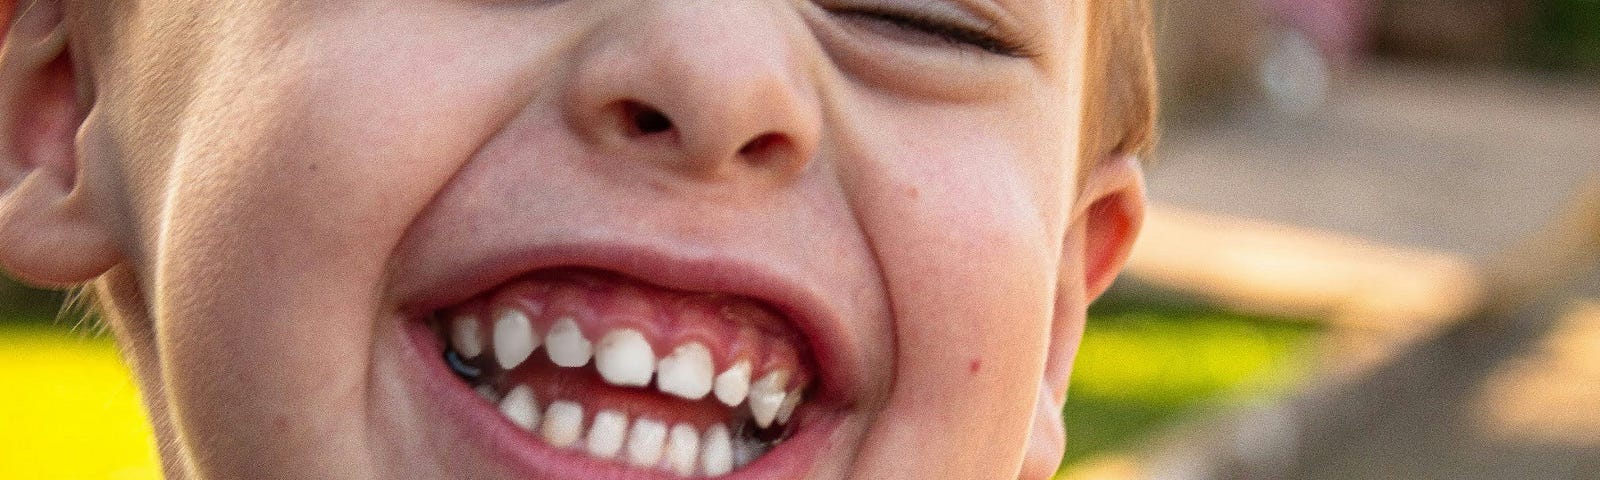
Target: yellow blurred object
{"x":71,"y":409}
{"x":1106,"y":467}
{"x":1378,"y":297}
{"x":1549,"y":397}
{"x":1276,"y":269}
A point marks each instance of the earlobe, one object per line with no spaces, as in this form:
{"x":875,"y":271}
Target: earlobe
{"x":1047,"y":442}
{"x":49,"y":234}
{"x":1105,"y":221}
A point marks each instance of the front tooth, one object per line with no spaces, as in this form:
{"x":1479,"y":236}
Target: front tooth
{"x":563,"y":423}
{"x":734,"y":383}
{"x":465,"y":338}
{"x":786,"y":409}
{"x":683,"y":448}
{"x":686,"y":372}
{"x":766,"y":395}
{"x":716,"y":452}
{"x":625,"y":358}
{"x":520,"y":407}
{"x":645,"y":442}
{"x":566,"y":344}
{"x":513,"y":338}
{"x":606,"y":434}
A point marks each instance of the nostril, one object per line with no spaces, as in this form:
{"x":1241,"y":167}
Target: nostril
{"x":761,"y":145}
{"x":651,"y":121}
{"x":645,"y":120}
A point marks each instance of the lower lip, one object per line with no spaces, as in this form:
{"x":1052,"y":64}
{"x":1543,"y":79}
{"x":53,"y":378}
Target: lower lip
{"x":517,"y":450}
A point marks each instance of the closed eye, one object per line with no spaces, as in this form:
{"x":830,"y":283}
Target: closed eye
{"x":941,"y":29}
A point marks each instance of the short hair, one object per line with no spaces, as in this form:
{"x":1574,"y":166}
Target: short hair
{"x":1119,"y":112}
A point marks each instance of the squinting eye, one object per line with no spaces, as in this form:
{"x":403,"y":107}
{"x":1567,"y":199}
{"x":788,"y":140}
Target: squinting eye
{"x":940,"y":29}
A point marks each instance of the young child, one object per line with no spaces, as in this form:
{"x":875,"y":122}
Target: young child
{"x":582,"y":239}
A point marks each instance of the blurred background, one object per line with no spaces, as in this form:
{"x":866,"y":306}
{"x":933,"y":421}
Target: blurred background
{"x":1372,"y":254}
{"x":1373,"y":251}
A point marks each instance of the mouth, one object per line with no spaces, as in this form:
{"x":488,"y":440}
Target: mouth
{"x":603,"y":372}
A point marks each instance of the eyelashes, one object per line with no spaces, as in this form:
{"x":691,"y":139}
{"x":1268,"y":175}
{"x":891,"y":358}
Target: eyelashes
{"x":937,"y":28}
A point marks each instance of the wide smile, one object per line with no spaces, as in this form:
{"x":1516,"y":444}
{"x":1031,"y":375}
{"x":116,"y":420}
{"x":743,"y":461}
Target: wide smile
{"x":585,"y":370}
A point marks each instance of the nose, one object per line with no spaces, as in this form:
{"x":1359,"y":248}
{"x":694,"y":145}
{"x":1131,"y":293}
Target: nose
{"x":703,"y":89}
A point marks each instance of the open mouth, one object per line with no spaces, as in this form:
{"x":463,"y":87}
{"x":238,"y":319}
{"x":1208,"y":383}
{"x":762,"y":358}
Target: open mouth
{"x":599,"y":365}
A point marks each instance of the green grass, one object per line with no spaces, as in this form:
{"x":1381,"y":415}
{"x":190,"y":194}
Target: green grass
{"x":1144,"y":366}
{"x":73,"y":411}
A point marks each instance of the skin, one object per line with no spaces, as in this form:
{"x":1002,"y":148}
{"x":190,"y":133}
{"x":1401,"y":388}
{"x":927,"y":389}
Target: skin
{"x":258,"y":189}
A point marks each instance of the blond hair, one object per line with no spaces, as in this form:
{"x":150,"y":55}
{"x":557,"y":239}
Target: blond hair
{"x":1119,"y":81}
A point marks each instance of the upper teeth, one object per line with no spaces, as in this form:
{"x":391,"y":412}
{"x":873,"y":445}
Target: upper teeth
{"x":734,"y":383}
{"x":624,"y":357}
{"x":464,"y":337}
{"x":686,"y":372}
{"x":566,"y":344}
{"x":786,"y":409}
{"x":513,"y":338}
{"x":766,"y":396}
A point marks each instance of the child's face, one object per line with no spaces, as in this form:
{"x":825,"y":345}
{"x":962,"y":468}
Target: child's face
{"x":879,"y":208}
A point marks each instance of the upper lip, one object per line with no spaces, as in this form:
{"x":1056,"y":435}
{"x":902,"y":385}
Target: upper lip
{"x":813,"y":317}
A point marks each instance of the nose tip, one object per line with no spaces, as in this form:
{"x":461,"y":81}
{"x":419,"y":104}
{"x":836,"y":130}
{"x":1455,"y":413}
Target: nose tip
{"x":769,"y":150}
{"x":652,"y":91}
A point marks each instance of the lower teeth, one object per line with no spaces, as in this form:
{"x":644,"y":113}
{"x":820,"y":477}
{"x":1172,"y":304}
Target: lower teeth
{"x":749,"y":441}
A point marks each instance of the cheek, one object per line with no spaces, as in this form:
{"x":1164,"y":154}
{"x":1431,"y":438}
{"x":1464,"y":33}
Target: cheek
{"x":282,"y":208}
{"x":300,"y":175}
{"x":965,"y":224}
{"x":972,"y":232}
{"x":971,"y":262}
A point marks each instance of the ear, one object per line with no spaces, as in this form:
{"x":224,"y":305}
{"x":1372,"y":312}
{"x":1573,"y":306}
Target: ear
{"x":1105,"y":221}
{"x":49,"y":235}
{"x":1114,"y":197}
